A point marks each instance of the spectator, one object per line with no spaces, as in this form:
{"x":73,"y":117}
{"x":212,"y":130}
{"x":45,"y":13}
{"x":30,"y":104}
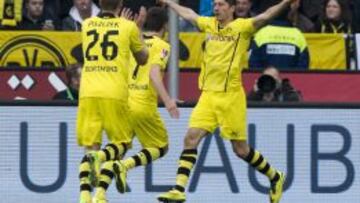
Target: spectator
{"x":81,"y":10}
{"x":35,"y":17}
{"x":299,"y":20}
{"x":73,"y":74}
{"x":269,"y":87}
{"x":336,"y":18}
{"x":243,"y":9}
{"x":280,"y":45}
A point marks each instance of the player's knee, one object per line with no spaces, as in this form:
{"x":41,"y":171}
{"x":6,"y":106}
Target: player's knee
{"x":96,"y":146}
{"x":191,"y":140}
{"x":193,"y":137}
{"x":241,"y":149}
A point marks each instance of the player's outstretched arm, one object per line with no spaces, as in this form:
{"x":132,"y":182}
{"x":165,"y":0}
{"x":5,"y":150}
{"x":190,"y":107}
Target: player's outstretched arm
{"x":186,"y":13}
{"x":156,"y":79}
{"x":263,"y":18}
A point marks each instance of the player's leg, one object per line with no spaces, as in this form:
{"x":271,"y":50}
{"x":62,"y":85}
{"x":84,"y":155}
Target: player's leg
{"x":142,"y":158}
{"x":106,"y":175}
{"x":105,"y":179}
{"x":202,"y":122}
{"x":112,"y":151}
{"x":86,"y":180}
{"x":233,"y":127}
{"x":186,"y":162}
{"x":151,"y":133}
{"x":258,"y":161}
{"x":115,"y":115}
{"x":88,"y":136}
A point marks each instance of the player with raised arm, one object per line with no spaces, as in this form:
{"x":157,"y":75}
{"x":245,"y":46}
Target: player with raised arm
{"x":108,"y":42}
{"x":145,"y":85}
{"x":223,"y":102}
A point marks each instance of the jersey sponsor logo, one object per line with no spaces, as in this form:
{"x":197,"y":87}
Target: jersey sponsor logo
{"x":221,"y":38}
{"x":38,"y":52}
{"x":164,"y":54}
{"x":138,"y":87}
{"x":107,"y":69}
{"x":280,"y":49}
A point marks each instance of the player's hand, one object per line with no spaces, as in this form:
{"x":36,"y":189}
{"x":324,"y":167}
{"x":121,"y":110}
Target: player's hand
{"x":127,"y":13}
{"x":141,"y":17}
{"x":161,"y":2}
{"x":48,"y":25}
{"x":171,"y":107}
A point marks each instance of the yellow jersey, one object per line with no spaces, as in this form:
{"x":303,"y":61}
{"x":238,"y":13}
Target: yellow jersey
{"x":107,"y":43}
{"x":141,"y":89}
{"x":224,"y":53}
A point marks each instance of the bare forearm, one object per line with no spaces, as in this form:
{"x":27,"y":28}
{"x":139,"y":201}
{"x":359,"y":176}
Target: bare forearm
{"x":155,"y":76}
{"x":272,"y":12}
{"x":184,"y":12}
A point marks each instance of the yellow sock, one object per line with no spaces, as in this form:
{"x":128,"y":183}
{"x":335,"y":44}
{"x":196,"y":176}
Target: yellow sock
{"x":144,"y":157}
{"x":186,"y":163}
{"x":256,"y":160}
{"x":106,"y":176}
{"x":112,"y":152}
{"x":100,"y":193}
{"x":84,"y":171}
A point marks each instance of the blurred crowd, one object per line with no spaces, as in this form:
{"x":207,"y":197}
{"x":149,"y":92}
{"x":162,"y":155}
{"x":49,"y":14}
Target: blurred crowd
{"x":320,"y":16}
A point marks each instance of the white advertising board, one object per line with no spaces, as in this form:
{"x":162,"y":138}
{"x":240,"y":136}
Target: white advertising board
{"x":319,"y":149}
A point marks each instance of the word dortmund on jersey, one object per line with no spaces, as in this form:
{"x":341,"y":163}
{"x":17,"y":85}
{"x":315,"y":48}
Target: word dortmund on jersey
{"x":224,"y":51}
{"x":107,"y":49}
{"x":141,"y":89}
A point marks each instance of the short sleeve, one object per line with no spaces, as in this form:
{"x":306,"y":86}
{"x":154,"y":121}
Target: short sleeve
{"x":161,"y":56}
{"x":136,"y":44}
{"x":203,"y":22}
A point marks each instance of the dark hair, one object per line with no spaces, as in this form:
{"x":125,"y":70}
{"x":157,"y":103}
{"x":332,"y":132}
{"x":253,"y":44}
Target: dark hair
{"x":156,"y":18}
{"x":345,"y":11}
{"x":110,"y":5}
{"x":231,"y":2}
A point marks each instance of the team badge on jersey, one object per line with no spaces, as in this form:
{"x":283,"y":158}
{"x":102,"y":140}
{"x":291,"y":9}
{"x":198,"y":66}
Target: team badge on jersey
{"x":164,"y":54}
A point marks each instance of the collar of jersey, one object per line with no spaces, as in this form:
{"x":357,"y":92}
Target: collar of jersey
{"x":106,"y":15}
